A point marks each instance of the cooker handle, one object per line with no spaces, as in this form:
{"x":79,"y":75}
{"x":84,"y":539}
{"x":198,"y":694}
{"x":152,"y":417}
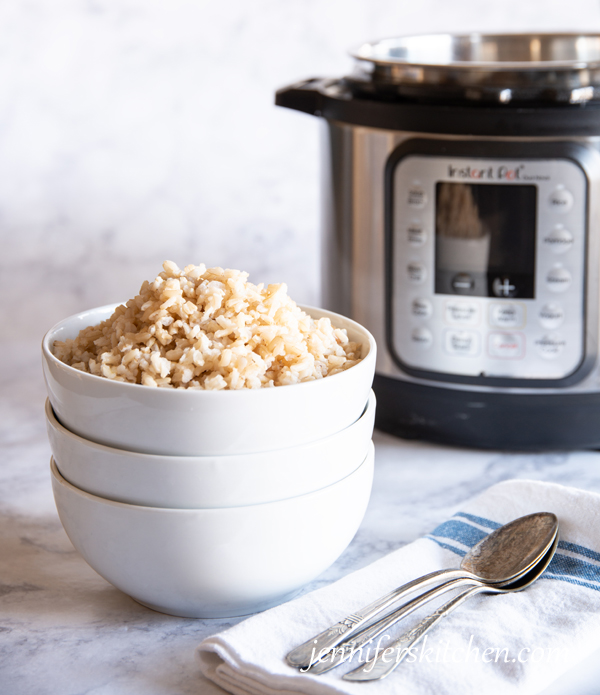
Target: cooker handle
{"x":306,"y":96}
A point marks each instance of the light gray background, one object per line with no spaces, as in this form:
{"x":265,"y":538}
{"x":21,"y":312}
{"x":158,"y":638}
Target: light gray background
{"x":133,"y":131}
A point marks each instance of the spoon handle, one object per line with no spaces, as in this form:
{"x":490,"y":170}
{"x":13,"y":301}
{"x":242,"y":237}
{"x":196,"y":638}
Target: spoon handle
{"x":318,"y":646}
{"x":388,"y":659}
{"x":348,"y":649}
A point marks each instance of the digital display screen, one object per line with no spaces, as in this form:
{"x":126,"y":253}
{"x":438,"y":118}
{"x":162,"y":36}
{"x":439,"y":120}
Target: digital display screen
{"x":485,"y":239}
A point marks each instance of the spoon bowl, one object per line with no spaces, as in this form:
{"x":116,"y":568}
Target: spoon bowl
{"x":505,"y":554}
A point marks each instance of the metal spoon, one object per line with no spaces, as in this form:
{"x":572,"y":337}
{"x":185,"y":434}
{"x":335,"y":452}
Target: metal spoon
{"x":379,"y":667}
{"x":499,"y":559}
{"x":347,"y":649}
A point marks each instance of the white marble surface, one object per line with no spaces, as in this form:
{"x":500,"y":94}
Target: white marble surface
{"x":65,"y":630}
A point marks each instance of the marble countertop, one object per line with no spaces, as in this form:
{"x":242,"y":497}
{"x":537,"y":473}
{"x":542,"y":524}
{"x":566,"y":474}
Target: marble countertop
{"x":63,"y":629}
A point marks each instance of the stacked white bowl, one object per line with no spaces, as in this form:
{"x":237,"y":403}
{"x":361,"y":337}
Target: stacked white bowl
{"x":210,"y":503}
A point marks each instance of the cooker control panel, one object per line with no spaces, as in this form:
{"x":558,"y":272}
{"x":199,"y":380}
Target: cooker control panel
{"x":486,"y":273}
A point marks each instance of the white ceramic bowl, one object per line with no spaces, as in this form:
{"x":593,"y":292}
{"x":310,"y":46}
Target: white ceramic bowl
{"x":180,"y":422}
{"x":204,"y":482}
{"x":208,"y":563}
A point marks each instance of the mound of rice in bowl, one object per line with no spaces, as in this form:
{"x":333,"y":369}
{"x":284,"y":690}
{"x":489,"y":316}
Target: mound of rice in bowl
{"x":210,"y":329}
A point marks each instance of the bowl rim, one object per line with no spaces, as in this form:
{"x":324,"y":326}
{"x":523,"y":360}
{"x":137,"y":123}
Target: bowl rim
{"x":52,"y":359}
{"x":55,"y":423}
{"x":58,"y":478}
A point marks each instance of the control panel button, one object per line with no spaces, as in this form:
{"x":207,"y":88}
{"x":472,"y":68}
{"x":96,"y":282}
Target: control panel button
{"x":417,"y":236}
{"x":507,"y":315}
{"x":462,"y":283}
{"x":506,"y":345}
{"x":550,"y":346}
{"x":503,"y":287}
{"x":421,"y":308}
{"x":417,"y":198}
{"x":417,"y":272}
{"x":422,"y":338}
{"x":558,"y":279}
{"x":462,"y":343}
{"x":559,"y":240}
{"x":551,"y":315}
{"x":462,"y":312}
{"x":560,"y":200}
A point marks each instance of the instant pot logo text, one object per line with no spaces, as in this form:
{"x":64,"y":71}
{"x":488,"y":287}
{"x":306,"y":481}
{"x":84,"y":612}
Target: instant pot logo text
{"x":490,"y":173}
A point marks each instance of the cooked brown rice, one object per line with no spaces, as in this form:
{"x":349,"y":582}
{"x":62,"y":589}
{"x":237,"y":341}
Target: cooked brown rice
{"x":210,"y":329}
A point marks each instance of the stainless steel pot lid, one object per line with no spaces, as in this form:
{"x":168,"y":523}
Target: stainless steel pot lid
{"x":498,"y":67}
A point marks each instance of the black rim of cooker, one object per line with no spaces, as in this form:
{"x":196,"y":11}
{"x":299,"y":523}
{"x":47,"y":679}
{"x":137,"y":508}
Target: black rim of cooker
{"x":334,"y":100}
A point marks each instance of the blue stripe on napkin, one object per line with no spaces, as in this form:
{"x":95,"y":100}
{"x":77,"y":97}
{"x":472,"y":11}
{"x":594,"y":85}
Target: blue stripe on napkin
{"x":492,"y":525}
{"x":458,"y":535}
{"x":454,"y":549}
{"x":459,"y":531}
{"x":580,"y":550}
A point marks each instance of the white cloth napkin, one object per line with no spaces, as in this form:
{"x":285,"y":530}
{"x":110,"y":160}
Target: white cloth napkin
{"x":531,"y":637}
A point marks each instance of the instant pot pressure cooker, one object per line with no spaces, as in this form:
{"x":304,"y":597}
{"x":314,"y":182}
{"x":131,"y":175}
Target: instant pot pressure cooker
{"x":461,"y":225}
